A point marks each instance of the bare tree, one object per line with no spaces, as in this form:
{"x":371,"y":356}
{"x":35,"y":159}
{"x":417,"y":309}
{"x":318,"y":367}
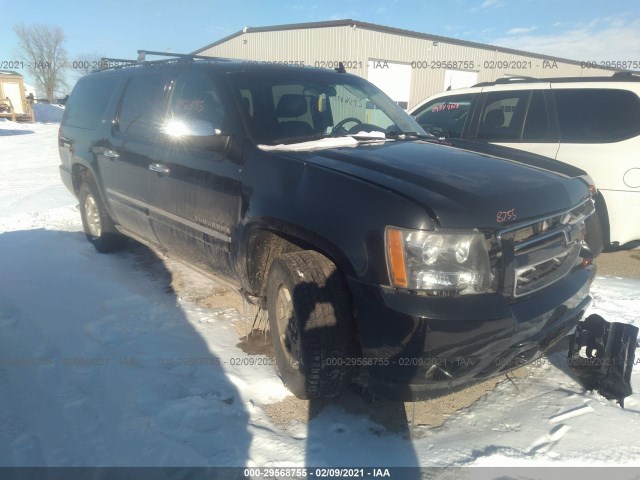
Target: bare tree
{"x":44,"y":56}
{"x":85,"y":63}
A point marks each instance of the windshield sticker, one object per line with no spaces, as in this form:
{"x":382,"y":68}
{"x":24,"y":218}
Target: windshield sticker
{"x":446,"y":106}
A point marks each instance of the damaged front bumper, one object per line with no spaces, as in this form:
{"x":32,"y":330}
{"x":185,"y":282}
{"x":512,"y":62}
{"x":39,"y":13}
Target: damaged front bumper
{"x":417,"y":347}
{"x":602,"y":354}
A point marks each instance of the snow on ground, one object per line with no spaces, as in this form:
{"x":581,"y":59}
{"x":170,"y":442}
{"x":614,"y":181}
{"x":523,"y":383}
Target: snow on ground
{"x":103,"y":364}
{"x":46,"y":113}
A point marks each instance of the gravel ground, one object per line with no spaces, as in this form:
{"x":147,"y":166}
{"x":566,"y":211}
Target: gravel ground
{"x":625,"y":263}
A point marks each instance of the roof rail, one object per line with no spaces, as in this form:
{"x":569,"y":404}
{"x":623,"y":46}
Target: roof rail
{"x":110,"y":63}
{"x":616,"y":76}
{"x":143,"y":53}
{"x":519,"y":78}
{"x":627,"y":75}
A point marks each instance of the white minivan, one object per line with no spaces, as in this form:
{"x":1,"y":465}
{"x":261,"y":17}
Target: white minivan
{"x":592,"y":123}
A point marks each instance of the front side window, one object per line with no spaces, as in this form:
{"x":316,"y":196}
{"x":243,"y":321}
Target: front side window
{"x":445,"y":117}
{"x":142,"y":106}
{"x":597,"y":115}
{"x":516,"y":116}
{"x":302,"y":105}
{"x":194,"y":97}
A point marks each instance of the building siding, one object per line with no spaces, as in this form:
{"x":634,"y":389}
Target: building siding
{"x":355,"y":46}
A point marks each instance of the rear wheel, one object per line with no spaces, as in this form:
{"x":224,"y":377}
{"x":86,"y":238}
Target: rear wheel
{"x":312,"y":324}
{"x":96,"y":222}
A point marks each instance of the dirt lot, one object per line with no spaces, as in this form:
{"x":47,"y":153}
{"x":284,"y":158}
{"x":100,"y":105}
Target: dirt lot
{"x":625,"y":263}
{"x":391,"y":416}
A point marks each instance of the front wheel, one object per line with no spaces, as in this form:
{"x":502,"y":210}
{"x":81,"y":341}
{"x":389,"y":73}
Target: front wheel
{"x":96,"y":222}
{"x":312,"y":324}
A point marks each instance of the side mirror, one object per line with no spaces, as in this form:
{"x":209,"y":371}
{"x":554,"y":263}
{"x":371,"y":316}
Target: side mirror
{"x":197,"y":133}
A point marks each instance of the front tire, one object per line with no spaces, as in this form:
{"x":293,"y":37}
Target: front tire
{"x":96,"y":222}
{"x":312,"y":325}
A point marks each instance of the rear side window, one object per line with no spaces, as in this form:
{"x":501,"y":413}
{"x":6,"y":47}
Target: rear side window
{"x":142,"y":106}
{"x":597,"y":115}
{"x":446,"y":116}
{"x":88,"y":101}
{"x":515,"y":116}
{"x":503,"y":115}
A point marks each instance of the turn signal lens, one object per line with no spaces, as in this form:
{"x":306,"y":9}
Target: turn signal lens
{"x":396,"y":257}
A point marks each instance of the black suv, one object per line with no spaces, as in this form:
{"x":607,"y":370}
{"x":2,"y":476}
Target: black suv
{"x":373,"y":246}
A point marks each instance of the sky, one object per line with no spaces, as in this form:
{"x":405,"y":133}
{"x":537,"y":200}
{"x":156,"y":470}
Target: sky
{"x":583,"y":30}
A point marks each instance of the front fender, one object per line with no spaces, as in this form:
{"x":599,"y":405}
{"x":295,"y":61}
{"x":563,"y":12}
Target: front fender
{"x":341,"y":215}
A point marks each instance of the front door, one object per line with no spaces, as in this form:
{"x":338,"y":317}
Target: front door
{"x":195,"y":198}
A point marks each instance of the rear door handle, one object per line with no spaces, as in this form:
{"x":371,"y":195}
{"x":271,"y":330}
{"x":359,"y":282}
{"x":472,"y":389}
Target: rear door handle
{"x":111,"y":154}
{"x":159,"y":168}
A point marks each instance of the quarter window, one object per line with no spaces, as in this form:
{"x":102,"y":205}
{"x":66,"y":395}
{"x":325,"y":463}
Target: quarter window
{"x":86,"y":107}
{"x":597,"y":115}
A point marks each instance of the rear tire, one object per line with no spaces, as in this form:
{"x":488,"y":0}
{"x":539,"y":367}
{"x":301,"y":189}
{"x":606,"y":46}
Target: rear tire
{"x":96,"y":221}
{"x":312,"y":325}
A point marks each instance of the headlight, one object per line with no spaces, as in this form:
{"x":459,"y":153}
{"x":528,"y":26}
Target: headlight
{"x":442,"y":262}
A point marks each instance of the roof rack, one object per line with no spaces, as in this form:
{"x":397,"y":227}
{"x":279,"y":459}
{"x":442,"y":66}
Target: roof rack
{"x":111,"y":63}
{"x":627,"y":76}
{"x":143,"y":53}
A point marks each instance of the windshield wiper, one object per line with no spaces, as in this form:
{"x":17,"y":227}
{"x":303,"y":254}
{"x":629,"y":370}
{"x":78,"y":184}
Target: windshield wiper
{"x":400,"y":135}
{"x":299,"y":139}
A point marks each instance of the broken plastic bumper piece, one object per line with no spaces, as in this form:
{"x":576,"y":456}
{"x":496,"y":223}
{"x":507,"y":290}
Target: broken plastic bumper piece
{"x":602,"y":355}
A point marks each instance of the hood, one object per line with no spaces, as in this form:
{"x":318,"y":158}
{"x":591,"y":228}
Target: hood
{"x":461,"y":188}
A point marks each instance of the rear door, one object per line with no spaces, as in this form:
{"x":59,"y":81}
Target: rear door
{"x":127,"y":159}
{"x":517,"y":118}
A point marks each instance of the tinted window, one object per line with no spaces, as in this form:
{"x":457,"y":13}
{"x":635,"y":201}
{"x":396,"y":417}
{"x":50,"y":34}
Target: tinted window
{"x":503,"y":116}
{"x":195,"y":96}
{"x":536,"y":123}
{"x":142,"y":106}
{"x":87,"y":103}
{"x":446,"y":116}
{"x":597,"y":115}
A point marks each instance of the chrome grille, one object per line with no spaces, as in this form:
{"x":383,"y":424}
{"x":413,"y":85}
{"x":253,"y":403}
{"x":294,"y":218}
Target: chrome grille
{"x":541,"y":252}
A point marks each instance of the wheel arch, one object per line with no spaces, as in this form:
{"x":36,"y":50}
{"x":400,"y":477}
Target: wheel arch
{"x":265,"y":239}
{"x":603,"y":216}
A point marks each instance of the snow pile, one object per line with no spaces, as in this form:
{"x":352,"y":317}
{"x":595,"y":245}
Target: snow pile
{"x":46,"y":113}
{"x":102,"y":363}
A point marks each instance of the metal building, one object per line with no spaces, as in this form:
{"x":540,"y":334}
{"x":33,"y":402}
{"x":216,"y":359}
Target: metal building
{"x":408,"y":66}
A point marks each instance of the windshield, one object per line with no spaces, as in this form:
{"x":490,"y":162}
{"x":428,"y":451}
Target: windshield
{"x":299,"y":105}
